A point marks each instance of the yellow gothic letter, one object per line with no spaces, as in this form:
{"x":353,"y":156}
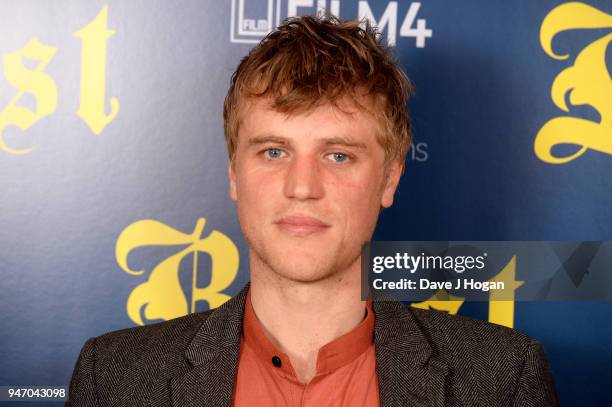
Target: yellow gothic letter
{"x":501,"y":311}
{"x":587,"y":81}
{"x":93,"y":74}
{"x":441,"y":301}
{"x":41,"y":85}
{"x":162,"y":295}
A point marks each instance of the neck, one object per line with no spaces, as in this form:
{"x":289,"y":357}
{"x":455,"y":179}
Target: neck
{"x":301,"y":317}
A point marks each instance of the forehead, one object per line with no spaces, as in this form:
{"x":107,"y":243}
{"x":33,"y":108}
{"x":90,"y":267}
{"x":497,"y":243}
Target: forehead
{"x":342,"y":118}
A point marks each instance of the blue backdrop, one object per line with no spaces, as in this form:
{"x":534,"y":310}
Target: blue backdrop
{"x":111,"y":126}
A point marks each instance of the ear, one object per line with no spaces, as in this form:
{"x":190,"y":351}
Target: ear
{"x":232,"y":180}
{"x":392,"y":181}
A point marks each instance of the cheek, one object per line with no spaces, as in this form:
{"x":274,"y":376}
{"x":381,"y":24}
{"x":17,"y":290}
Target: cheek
{"x":257,"y":190}
{"x":357,"y":198}
{"x":360,"y":186}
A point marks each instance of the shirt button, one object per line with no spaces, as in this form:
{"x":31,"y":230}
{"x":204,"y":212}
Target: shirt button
{"x":276,"y":361}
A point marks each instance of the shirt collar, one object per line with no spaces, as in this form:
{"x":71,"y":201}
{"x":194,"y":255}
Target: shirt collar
{"x":331,"y":356}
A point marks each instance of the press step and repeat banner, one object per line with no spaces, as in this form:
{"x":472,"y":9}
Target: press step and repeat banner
{"x":115,"y":209}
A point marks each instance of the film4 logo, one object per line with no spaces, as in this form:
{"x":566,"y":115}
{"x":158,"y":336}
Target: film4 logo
{"x":35,"y":82}
{"x":252,"y":20}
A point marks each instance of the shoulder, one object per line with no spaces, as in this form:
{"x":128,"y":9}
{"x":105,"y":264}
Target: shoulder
{"x":134,"y":366}
{"x":487,"y":360}
{"x":169,"y":335}
{"x":446,"y":333}
{"x":131,"y":364}
{"x":464,"y":332}
{"x":475,"y":345}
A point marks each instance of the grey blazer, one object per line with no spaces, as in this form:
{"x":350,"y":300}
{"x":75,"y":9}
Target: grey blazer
{"x":423,"y":358}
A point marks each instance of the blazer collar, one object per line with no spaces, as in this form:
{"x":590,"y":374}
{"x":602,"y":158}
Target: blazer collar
{"x":408,"y":372}
{"x":213,"y":355}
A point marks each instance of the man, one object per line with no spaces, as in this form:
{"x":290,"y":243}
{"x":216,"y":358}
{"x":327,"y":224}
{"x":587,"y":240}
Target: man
{"x":317,"y":133}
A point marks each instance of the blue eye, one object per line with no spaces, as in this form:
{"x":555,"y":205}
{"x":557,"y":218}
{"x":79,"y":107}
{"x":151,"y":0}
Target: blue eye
{"x":339,"y":157}
{"x":273,"y":153}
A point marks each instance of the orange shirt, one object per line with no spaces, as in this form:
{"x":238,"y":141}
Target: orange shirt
{"x":345,"y":375}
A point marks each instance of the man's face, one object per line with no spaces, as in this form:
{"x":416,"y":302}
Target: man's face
{"x":309,"y":187}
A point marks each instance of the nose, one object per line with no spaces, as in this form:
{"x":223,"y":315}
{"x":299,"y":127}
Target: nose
{"x":303,"y":179}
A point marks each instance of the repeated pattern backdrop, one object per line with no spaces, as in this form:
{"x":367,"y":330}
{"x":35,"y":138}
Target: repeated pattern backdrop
{"x":115,"y":209}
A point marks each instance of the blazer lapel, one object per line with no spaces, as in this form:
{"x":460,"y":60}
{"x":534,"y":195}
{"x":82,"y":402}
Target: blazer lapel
{"x":409,"y":374}
{"x":213,"y":355}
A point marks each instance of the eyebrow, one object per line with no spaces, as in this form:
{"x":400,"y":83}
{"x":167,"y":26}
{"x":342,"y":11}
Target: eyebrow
{"x":343,"y":141}
{"x":328,"y":141}
{"x":258,"y":140}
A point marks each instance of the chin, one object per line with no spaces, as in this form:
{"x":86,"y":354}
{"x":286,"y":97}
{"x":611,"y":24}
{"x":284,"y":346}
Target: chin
{"x":305,"y":274}
{"x":302,"y":269}
{"x":308,"y":261}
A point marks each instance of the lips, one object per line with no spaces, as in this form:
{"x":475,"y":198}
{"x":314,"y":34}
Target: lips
{"x":301,"y":225}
